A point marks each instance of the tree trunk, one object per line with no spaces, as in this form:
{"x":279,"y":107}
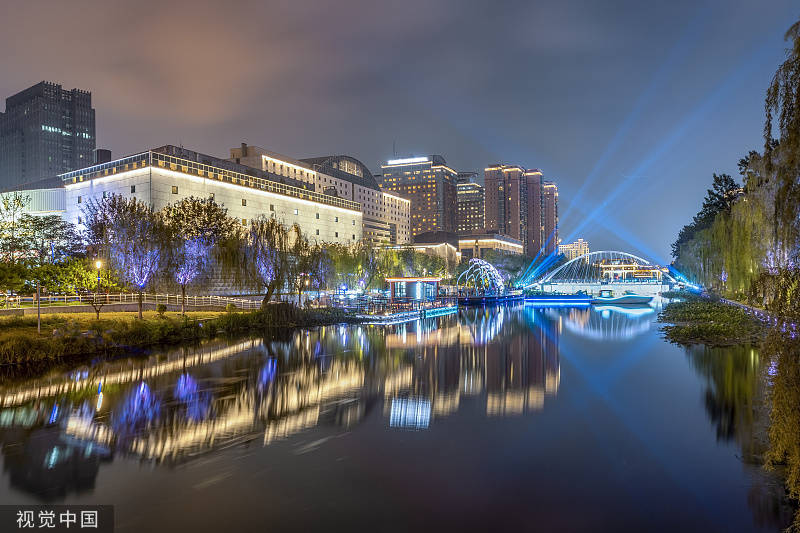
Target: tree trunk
{"x":183,"y":300}
{"x":140,"y":305}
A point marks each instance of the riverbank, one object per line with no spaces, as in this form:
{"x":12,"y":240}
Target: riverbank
{"x":80,"y":334}
{"x":697,"y":320}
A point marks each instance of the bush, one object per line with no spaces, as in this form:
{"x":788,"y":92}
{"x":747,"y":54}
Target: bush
{"x":161,"y":309}
{"x":230,"y":308}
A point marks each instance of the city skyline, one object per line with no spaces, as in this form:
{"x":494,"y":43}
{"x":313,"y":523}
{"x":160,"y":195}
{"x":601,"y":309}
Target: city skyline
{"x":658,"y":92}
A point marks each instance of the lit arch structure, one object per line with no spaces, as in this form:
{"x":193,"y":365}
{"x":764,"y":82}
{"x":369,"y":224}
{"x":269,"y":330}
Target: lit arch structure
{"x":480,"y":274}
{"x":611,"y":270}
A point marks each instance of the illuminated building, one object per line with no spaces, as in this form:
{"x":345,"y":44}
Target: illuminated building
{"x":477,"y":245}
{"x":385,"y":215}
{"x":430,"y":185}
{"x":470,"y":199}
{"x":549,"y":216}
{"x":45,"y":131}
{"x":574,"y":249}
{"x":165,"y":175}
{"x":519,"y":204}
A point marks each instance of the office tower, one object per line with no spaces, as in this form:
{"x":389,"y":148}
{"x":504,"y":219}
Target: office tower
{"x":45,"y":131}
{"x":550,"y":216}
{"x":430,"y":185}
{"x":470,"y":200}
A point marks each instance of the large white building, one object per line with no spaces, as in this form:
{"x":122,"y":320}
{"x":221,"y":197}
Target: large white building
{"x":386,"y":216}
{"x":164,"y":175}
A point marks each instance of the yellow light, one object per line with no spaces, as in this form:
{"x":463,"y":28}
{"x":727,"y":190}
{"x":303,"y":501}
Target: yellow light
{"x":98,"y":264}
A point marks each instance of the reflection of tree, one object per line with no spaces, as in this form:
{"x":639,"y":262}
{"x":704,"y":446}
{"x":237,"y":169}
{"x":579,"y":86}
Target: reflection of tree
{"x":784,"y":431}
{"x":732,"y":394}
{"x":42,"y":463}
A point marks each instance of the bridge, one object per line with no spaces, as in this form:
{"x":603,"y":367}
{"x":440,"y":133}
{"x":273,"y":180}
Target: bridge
{"x":618,"y":271}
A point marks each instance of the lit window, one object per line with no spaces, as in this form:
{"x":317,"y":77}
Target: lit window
{"x":174,"y":189}
{"x":295,"y":211}
{"x":244,"y":222}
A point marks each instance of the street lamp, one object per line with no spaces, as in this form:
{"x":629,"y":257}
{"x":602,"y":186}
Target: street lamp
{"x":98,"y":265}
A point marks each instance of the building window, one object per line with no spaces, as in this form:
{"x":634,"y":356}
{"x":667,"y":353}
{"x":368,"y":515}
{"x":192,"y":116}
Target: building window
{"x":295,"y":211}
{"x":244,"y":222}
{"x":272,"y":207}
{"x":354,"y":222}
{"x":244,"y":202}
{"x":79,"y":199}
{"x":317,"y":232}
{"x":337,"y":234}
{"x":317,"y":216}
{"x":174,"y":189}
{"x":211,"y":195}
{"x":354,"y":236}
{"x":80,"y":220}
{"x":104,"y":194}
{"x":133,"y":189}
{"x":337,"y":219}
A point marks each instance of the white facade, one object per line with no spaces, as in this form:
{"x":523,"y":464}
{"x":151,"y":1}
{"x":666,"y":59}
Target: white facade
{"x":159,"y":180}
{"x":381,"y":210}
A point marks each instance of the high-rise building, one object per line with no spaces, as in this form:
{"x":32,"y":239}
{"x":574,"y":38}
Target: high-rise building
{"x":470,"y":200}
{"x":430,"y":185}
{"x":515,"y":204}
{"x":385,"y":216}
{"x":574,"y":250}
{"x":549,"y":216}
{"x":45,"y":131}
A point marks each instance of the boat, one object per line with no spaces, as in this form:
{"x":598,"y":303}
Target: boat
{"x":628,"y":298}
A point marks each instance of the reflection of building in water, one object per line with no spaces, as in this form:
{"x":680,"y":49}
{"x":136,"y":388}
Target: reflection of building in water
{"x":175,"y":406}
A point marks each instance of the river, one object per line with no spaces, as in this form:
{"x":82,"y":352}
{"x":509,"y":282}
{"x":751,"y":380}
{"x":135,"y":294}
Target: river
{"x":498,"y":419}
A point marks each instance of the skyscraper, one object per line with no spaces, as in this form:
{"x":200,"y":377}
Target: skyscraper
{"x":514,"y":205}
{"x":430,"y":185}
{"x":550,"y":216}
{"x":470,"y":199}
{"x":45,"y":131}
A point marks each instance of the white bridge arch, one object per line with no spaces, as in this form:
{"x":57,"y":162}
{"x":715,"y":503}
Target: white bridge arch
{"x":621,"y":269}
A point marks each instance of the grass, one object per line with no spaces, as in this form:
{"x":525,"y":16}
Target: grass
{"x":74,"y":335}
{"x":700,"y":321}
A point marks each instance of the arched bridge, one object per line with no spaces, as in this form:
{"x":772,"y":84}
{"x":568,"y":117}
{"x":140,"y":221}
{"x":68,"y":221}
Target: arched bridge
{"x":619,"y":271}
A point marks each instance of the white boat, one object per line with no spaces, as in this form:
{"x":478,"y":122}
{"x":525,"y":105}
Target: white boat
{"x":629,"y":298}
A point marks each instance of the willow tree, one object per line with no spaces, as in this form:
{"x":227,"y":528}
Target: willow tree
{"x":196,"y":226}
{"x":782,"y":108}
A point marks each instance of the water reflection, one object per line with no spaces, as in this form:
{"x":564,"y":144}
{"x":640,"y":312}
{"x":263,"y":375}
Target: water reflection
{"x":408,"y":379}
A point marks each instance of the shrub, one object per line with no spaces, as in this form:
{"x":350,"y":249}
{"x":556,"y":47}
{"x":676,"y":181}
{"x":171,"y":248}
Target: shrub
{"x":230,"y":308}
{"x":161,"y":309}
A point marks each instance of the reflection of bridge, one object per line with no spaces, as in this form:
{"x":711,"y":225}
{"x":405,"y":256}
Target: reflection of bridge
{"x":617,"y":271}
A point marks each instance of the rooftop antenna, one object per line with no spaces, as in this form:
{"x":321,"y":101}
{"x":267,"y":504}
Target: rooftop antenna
{"x":394,"y":148}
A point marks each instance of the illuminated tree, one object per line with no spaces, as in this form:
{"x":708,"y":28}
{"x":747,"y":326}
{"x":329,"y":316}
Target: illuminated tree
{"x":131,"y":235}
{"x":197,"y":225}
{"x":259,"y":258}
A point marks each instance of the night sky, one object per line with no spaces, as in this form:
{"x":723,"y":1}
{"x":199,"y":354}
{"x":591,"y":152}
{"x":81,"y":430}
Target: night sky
{"x":629,"y":106}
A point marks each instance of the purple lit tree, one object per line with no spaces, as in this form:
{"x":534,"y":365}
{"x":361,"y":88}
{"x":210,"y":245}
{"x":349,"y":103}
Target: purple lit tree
{"x":197,"y":226}
{"x":259,"y":259}
{"x":131,"y":236}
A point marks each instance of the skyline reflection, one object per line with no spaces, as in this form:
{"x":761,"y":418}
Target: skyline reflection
{"x":173,"y":407}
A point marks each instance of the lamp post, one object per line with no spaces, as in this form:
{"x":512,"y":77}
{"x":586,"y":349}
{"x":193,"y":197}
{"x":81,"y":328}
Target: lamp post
{"x":98,"y":265}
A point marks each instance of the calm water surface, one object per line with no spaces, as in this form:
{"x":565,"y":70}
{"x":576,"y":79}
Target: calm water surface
{"x":501,"y":419}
